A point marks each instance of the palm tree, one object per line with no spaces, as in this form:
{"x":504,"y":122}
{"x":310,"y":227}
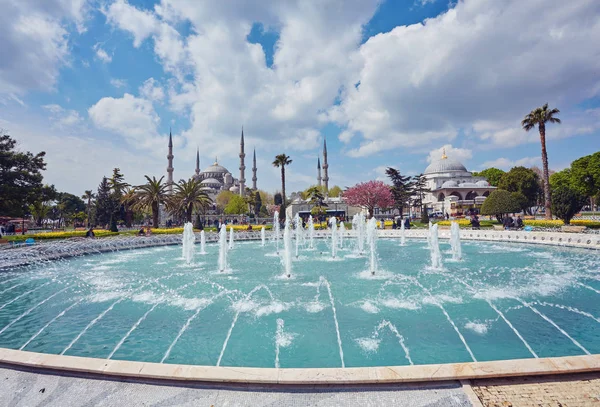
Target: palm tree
{"x":282,"y":160}
{"x":540,"y":117}
{"x":150,"y":196}
{"x":88,"y":195}
{"x":188,"y":197}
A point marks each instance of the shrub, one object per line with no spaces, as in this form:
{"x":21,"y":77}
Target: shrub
{"x":566,"y":202}
{"x":499,"y":203}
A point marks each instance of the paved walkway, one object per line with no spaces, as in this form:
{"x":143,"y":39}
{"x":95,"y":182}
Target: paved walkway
{"x":24,"y":388}
{"x":577,"y":390}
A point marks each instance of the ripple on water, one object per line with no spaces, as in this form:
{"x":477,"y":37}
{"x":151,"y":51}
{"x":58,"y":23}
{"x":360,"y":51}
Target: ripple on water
{"x":477,"y":327}
{"x":369,"y":345}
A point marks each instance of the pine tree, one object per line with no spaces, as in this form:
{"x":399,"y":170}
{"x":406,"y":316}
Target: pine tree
{"x":418,"y":189}
{"x":401,"y":188}
{"x":104,"y":203}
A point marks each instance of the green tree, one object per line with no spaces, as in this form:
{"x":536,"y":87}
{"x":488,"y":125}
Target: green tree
{"x":539,"y":117}
{"x":281,"y":161}
{"x":257,"y":203}
{"x":525,"y":181}
{"x":40,"y":208}
{"x":88,"y":196}
{"x":401,"y":188}
{"x":585,"y":175}
{"x":188,"y":197}
{"x":20,"y":177}
{"x":561,"y":179}
{"x":278,"y":200}
{"x":419,"y":189}
{"x":335,"y":191}
{"x":316,"y":198}
{"x":492,"y":175}
{"x":307,"y":192}
{"x":499,"y":203}
{"x":236,"y":206}
{"x":104,"y":203}
{"x":566,"y":202}
{"x":223,"y":199}
{"x":150,"y":196}
{"x":69,"y":206}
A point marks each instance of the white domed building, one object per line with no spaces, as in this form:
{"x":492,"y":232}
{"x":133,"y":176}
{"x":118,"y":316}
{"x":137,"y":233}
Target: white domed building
{"x":454,"y":190}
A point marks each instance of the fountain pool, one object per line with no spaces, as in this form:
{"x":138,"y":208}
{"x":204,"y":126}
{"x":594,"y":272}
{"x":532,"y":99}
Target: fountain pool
{"x":501,"y":301}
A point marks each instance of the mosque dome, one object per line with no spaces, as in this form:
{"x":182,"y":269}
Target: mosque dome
{"x":234,"y":189}
{"x":210,"y":181}
{"x":444,"y":165}
{"x":215,"y":169}
{"x":482,"y":183}
{"x":449,"y":184}
{"x":468,"y":185}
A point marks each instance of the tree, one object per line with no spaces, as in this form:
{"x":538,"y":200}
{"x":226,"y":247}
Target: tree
{"x":88,"y":196}
{"x":104,"y":203}
{"x":499,"y":203}
{"x":401,"y":188}
{"x":539,"y":117}
{"x":281,"y":161}
{"x":118,"y":186}
{"x":265,"y":197}
{"x":236,"y":206}
{"x":307,"y":192}
{"x":20,"y":177}
{"x":278,"y":200}
{"x":369,"y":195}
{"x":525,"y":181}
{"x":316,"y":199}
{"x":566,"y":202}
{"x":69,"y":206}
{"x":492,"y":175}
{"x":561,"y":179}
{"x":418,"y":189}
{"x":335,"y":191}
{"x":585,"y":176}
{"x":257,"y":203}
{"x":188,"y":197}
{"x":40,"y":208}
{"x":223,"y":199}
{"x":150,"y":196}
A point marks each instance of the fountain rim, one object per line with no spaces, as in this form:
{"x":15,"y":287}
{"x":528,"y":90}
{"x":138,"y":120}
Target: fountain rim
{"x":79,"y":366}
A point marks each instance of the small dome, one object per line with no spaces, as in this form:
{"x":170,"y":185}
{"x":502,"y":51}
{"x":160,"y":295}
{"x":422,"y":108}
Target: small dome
{"x":210,"y":181}
{"x":444,"y":165}
{"x":468,"y":185}
{"x":449,"y":184}
{"x":482,"y":183}
{"x":215,"y":168}
{"x":234,"y":189}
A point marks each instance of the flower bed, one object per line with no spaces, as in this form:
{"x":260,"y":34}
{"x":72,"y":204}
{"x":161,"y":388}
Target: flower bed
{"x":557,"y":223}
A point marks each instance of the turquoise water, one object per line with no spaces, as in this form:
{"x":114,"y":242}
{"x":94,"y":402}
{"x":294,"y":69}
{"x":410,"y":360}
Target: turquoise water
{"x":502,"y":301}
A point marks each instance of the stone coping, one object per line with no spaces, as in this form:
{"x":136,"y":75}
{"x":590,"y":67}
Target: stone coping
{"x":352,"y":375}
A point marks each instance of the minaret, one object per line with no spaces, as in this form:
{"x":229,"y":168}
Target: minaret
{"x":198,"y":163}
{"x":319,"y":183}
{"x":325,"y":167}
{"x":254,"y":171}
{"x":242,"y":180}
{"x":170,"y":167}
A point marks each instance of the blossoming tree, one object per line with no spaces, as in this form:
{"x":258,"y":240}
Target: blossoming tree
{"x":369,"y":195}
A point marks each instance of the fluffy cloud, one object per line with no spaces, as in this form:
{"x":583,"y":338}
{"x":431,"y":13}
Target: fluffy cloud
{"x":102,"y":54}
{"x":152,"y":90}
{"x":506,"y":164}
{"x":480,"y":62}
{"x":118,"y":83}
{"x":63,"y":118}
{"x":132,"y":117}
{"x":458,"y":154}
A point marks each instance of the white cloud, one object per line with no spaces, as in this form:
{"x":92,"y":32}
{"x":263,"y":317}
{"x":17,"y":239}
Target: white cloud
{"x":152,"y":90}
{"x":64,"y":118}
{"x":459,"y":154}
{"x":129,"y":116}
{"x":101,"y":53}
{"x":118,"y":83}
{"x":506,"y":164}
{"x":482,"y":61}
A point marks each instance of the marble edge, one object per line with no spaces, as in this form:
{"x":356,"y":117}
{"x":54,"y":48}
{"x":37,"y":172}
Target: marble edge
{"x":352,"y":375}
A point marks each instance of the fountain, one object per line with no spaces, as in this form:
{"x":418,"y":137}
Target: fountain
{"x":402,"y":233}
{"x":372,"y":240}
{"x":342,"y":231}
{"x":298,"y":233}
{"x":333,"y":224}
{"x":230,"y":237}
{"x":276,"y":230}
{"x":358,"y":224}
{"x":188,"y":242}
{"x":262,"y":236}
{"x":287,"y":248}
{"x":202,"y":242}
{"x":434,"y":247}
{"x":455,"y":241}
{"x":223,"y":248}
{"x":311,"y":232}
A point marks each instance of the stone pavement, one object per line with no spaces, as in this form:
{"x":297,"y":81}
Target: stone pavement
{"x":26,"y":388}
{"x":575,"y":390}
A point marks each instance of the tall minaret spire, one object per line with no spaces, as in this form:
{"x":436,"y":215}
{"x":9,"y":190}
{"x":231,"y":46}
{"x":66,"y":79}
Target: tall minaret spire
{"x":319,"y":183}
{"x":170,"y":166}
{"x":325,"y":166}
{"x":198,"y":162}
{"x":254,"y":171}
{"x":242,"y":166}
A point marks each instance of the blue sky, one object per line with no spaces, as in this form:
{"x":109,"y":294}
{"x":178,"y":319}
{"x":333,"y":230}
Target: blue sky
{"x":98,"y":84}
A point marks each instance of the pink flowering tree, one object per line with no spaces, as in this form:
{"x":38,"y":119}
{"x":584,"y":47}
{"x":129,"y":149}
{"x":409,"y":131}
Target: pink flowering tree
{"x":369,"y":195}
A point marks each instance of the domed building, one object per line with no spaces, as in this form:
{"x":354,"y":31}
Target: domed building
{"x":454,"y":190}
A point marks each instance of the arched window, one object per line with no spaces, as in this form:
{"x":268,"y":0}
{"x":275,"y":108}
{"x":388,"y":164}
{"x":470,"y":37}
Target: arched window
{"x":456,"y":194}
{"x":486,"y":193}
{"x":441,"y":197}
{"x":471,"y":195}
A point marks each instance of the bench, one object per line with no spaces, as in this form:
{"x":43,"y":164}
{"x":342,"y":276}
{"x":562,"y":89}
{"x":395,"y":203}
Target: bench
{"x":572,"y":229}
{"x":3,"y":241}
